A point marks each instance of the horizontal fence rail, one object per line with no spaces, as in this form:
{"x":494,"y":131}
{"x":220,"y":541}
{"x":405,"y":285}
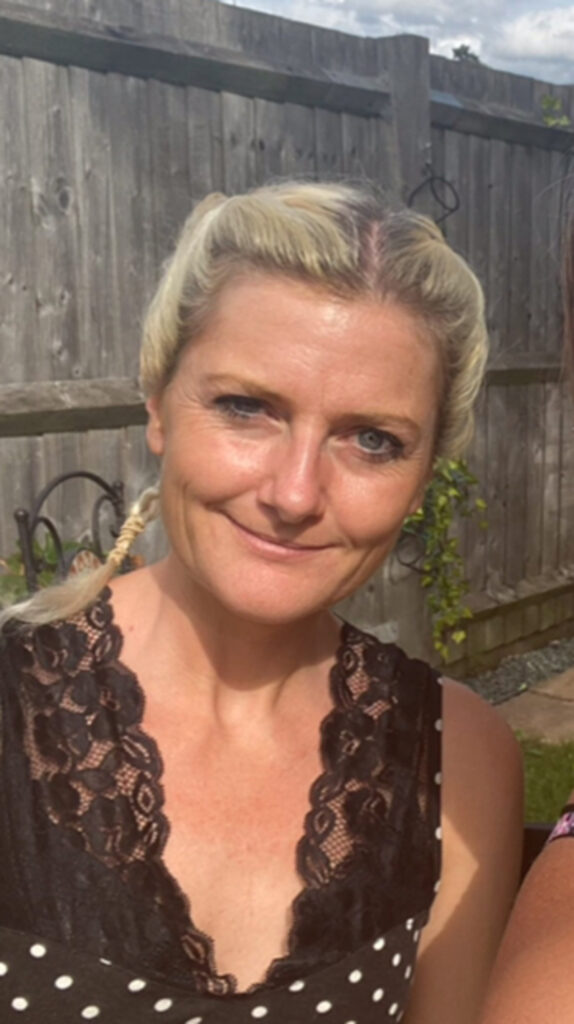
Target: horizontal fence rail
{"x":105,"y":48}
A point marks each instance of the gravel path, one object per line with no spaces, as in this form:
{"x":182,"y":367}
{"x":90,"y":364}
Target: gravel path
{"x":519,"y":672}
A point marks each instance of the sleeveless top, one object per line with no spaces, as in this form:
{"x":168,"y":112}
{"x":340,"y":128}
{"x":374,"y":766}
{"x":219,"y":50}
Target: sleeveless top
{"x":92,"y":924}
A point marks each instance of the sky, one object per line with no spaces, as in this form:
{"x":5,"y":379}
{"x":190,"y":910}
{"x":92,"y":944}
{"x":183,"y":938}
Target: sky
{"x":531,"y":37}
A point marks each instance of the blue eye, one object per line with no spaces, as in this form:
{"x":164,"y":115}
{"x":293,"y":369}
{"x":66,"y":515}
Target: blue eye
{"x":379,"y":444}
{"x":239,"y":406}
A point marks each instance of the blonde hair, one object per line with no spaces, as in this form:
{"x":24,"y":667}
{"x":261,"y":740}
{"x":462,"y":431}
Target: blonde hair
{"x":334,"y":236}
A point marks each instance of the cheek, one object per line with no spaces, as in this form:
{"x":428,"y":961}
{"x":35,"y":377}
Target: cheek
{"x":371,"y":513}
{"x":211,"y":467}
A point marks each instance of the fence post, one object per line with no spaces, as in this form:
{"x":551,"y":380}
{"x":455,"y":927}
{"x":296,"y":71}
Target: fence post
{"x":407,"y":60}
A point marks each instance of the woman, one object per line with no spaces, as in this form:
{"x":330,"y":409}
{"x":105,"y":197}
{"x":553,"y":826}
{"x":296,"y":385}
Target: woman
{"x":306,"y":357}
{"x":533,"y":976}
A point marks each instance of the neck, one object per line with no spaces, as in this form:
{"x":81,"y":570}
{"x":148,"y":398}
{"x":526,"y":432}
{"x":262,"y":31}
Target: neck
{"x":226,"y":657}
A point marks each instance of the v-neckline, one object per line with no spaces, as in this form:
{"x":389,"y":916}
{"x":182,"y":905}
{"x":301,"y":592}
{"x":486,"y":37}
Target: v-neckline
{"x":340,"y":695}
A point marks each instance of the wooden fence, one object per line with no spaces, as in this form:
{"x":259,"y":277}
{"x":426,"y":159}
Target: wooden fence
{"x":118,"y":115}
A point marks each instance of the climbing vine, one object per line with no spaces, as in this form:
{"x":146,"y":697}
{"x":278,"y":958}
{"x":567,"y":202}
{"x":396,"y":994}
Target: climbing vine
{"x":552,"y":112}
{"x":449,"y":496}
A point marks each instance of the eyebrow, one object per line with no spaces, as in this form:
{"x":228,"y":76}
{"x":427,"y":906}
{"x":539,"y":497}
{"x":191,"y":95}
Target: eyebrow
{"x":347,"y":419}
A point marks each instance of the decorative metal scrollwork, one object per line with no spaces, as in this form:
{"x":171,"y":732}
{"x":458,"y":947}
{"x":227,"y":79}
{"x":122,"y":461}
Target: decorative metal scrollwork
{"x":29,"y":521}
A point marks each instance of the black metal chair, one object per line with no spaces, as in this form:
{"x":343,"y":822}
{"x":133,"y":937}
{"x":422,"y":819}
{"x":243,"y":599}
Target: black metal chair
{"x":29,"y":521}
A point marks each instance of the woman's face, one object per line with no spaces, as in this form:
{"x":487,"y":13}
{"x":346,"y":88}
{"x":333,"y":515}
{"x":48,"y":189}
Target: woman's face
{"x":296,"y":435}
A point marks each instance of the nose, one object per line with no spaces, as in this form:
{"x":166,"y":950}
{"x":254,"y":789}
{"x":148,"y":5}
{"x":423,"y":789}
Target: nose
{"x":293,"y":487}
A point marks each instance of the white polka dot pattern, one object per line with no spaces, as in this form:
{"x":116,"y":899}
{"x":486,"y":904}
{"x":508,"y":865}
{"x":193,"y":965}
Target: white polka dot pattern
{"x":297,"y":986}
{"x":63,"y":982}
{"x":371,"y":983}
{"x":163,"y":1005}
{"x":38,"y":950}
{"x":137,"y":985}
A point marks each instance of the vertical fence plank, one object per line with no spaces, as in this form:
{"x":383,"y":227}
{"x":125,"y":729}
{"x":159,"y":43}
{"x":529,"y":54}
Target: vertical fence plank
{"x":407,"y":59}
{"x":239,"y":159}
{"x":535,"y":477}
{"x":53,"y":352}
{"x":566,"y":548}
{"x":97,"y":315}
{"x":515,"y":493}
{"x":499,"y":246}
{"x":496,"y":487}
{"x":133,"y":242}
{"x":205,"y":142}
{"x":17,"y":258}
{"x":328,"y":145}
{"x":169,"y":148}
{"x":550,"y":529}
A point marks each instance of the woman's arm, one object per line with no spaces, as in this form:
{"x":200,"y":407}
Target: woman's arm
{"x":533,"y":979}
{"x":482,"y":840}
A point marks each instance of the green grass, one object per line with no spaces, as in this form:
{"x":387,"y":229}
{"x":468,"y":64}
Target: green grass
{"x":549,"y":777}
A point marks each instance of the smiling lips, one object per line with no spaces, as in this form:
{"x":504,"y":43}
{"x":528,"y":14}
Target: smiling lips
{"x":265,"y":543}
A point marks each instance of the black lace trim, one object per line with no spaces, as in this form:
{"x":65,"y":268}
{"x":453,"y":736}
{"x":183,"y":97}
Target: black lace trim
{"x":368,"y":858}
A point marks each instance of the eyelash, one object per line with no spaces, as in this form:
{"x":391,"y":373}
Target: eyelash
{"x":244,"y":408}
{"x":230,"y":406}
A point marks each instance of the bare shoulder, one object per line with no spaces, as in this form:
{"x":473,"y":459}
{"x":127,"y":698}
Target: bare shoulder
{"x":482,"y":783}
{"x":481,"y":821}
{"x":532,"y":980}
{"x":476,"y":737}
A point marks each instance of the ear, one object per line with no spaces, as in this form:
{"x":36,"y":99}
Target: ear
{"x":154,"y":429}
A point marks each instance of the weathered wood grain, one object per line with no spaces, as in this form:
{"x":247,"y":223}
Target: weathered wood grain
{"x":515,"y":489}
{"x":495,"y":483}
{"x":17,"y":304}
{"x":205,"y":143}
{"x":133,"y":241}
{"x":56,"y":406}
{"x":239,"y":143}
{"x":167,"y":124}
{"x":329,"y":158}
{"x":535,"y":478}
{"x":407,"y":60}
{"x":448,"y":111}
{"x":552,"y":459}
{"x":566,"y":547}
{"x":499,"y":246}
{"x":85,"y":43}
{"x":55,"y":352}
{"x":97,"y":312}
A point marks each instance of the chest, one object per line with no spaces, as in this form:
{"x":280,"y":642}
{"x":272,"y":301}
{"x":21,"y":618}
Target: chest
{"x":236,"y":817}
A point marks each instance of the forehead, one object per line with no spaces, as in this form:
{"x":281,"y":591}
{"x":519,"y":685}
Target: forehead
{"x":296,"y":338}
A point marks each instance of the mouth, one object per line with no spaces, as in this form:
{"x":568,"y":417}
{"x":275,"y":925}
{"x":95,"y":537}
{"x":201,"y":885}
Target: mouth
{"x":276,"y":544}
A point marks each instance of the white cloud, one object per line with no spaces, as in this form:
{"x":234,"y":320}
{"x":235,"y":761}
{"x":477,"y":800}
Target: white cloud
{"x":533,"y":37}
{"x":544,"y":35}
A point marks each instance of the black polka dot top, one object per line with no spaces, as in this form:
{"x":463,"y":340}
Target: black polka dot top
{"x":93,"y":926}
